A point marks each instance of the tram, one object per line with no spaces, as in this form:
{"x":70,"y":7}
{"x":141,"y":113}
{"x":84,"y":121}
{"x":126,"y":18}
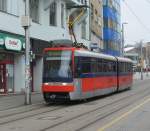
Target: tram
{"x":71,"y":73}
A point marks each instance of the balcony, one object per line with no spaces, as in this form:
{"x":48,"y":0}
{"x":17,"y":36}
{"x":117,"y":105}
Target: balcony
{"x":71,"y":3}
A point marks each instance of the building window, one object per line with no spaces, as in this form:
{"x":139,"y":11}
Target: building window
{"x":92,"y":11}
{"x":83,"y":2}
{"x":83,"y":28}
{"x":105,"y":2}
{"x":53,"y":12}
{"x":34,"y":10}
{"x":3,"y":5}
{"x":62,"y":15}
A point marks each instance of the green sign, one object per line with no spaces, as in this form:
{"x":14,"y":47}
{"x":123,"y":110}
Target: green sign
{"x":11,"y":42}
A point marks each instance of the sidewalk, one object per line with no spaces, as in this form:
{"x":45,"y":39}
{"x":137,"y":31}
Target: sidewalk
{"x":16,"y":100}
{"x":18,"y":93}
{"x":137,"y":76}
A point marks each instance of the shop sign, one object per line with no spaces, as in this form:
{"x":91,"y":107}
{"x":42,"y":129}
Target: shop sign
{"x":1,"y":41}
{"x":24,"y":45}
{"x":13,"y":44}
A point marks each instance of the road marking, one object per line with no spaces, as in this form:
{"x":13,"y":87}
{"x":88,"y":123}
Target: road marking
{"x":123,"y":116}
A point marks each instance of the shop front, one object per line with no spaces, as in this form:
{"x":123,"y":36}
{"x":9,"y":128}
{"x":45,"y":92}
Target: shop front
{"x":6,"y":73}
{"x":11,"y":63}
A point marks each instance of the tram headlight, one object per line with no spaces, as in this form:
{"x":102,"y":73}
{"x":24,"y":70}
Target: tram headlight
{"x":64,"y":84}
{"x":46,"y":84}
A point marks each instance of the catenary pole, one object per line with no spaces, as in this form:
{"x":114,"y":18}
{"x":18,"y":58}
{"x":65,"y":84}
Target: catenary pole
{"x":141,"y":53}
{"x":27,"y":56}
{"x":122,"y":50}
{"x":123,"y":40}
{"x":147,"y":62}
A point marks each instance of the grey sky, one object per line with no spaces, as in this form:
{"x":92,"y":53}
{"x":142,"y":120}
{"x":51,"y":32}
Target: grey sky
{"x":134,"y":30}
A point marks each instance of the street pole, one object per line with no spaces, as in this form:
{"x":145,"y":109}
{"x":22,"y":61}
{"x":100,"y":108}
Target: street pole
{"x":141,"y":53}
{"x":123,"y":41}
{"x":27,"y":56}
{"x":122,"y":50}
{"x":146,"y":59}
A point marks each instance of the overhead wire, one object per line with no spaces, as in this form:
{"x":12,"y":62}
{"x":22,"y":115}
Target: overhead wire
{"x":148,"y":1}
{"x":138,"y":19}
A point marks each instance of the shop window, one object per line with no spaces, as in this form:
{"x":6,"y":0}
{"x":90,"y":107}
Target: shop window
{"x":10,"y":77}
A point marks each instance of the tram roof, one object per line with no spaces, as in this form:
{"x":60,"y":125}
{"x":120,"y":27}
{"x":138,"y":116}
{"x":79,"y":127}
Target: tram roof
{"x":123,"y":59}
{"x":86,"y":53}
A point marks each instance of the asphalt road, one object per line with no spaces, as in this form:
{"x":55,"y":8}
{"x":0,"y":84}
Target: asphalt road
{"x":124,"y":111}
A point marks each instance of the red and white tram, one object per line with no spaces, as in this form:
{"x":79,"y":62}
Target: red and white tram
{"x":75,"y":74}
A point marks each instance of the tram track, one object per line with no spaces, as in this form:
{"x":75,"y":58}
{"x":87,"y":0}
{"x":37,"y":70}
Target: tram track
{"x":103,"y":115}
{"x":27,"y":114}
{"x":111,"y":112}
{"x":34,"y":112}
{"x":21,"y":106}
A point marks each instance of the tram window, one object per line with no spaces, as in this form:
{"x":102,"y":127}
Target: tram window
{"x":94,"y":66}
{"x":114,"y":67}
{"x":110,"y":66}
{"x":125,"y":67}
{"x":99,"y":66}
{"x":104,"y":67}
{"x":121,"y":67}
{"x":86,"y":67}
{"x":128,"y":67}
{"x":77,"y":67}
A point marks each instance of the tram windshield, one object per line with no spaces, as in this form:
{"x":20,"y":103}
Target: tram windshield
{"x":57,"y":66}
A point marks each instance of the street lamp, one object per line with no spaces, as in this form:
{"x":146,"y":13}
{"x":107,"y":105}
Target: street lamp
{"x":123,"y":41}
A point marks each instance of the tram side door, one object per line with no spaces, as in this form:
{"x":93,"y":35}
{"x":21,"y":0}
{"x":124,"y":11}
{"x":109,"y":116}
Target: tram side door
{"x":3,"y":78}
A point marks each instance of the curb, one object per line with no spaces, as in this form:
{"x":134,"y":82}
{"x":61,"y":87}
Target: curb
{"x":17,"y":94}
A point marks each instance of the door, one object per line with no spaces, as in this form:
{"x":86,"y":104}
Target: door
{"x":3,"y":88}
{"x":10,"y":78}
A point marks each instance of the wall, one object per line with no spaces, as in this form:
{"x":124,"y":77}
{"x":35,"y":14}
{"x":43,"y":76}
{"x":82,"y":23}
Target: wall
{"x":40,"y":30}
{"x":37,"y":78}
{"x":112,"y":27}
{"x":97,"y":22}
{"x":19,"y":72}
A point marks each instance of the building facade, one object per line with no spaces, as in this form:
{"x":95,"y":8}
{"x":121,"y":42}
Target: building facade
{"x":96,"y":27}
{"x":112,"y":27}
{"x":131,"y":53}
{"x":49,"y":22}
